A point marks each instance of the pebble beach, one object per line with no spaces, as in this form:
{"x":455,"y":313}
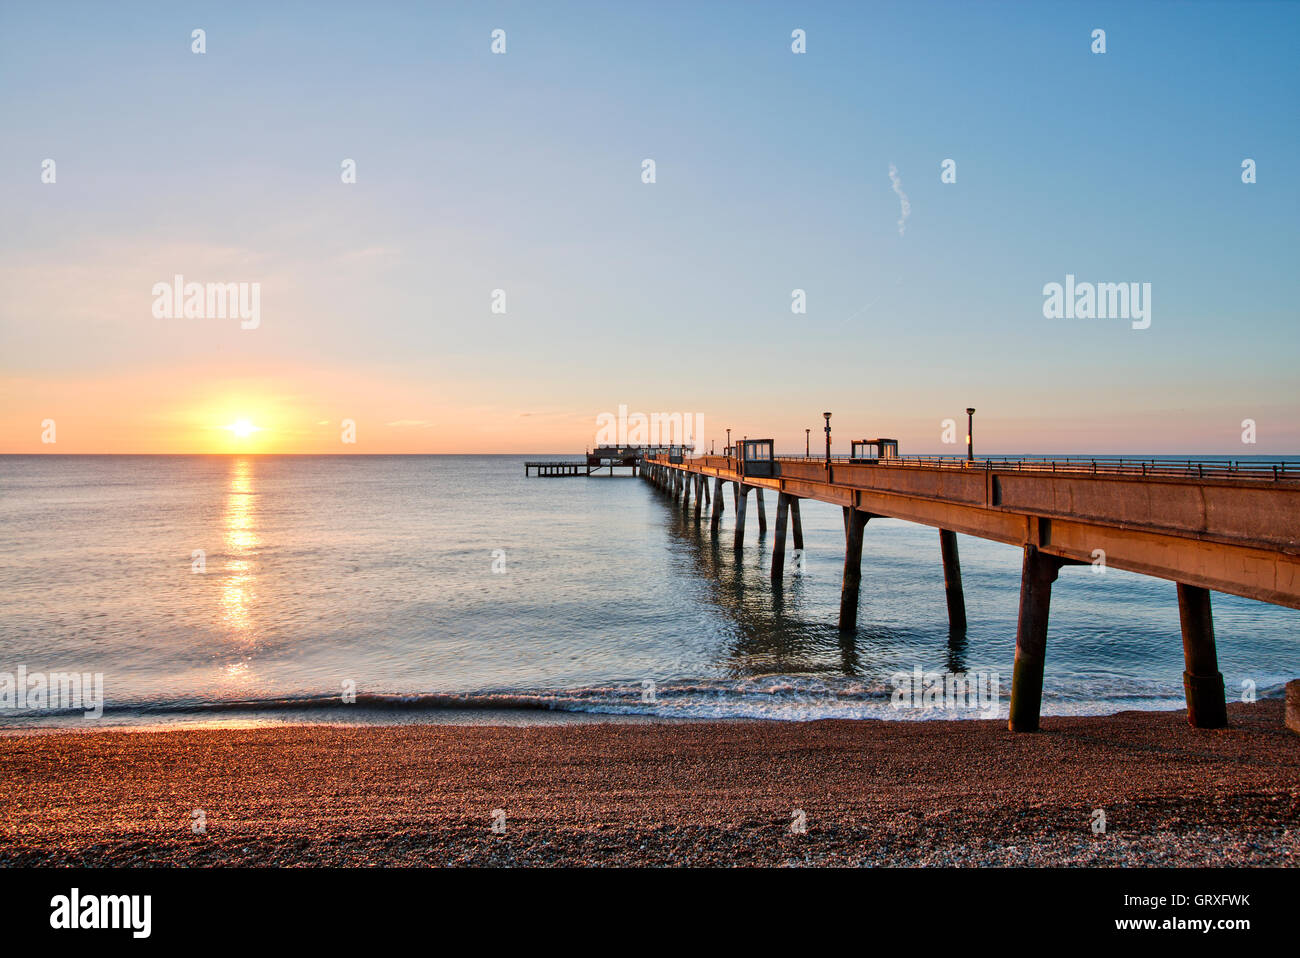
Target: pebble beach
{"x":739,"y":793}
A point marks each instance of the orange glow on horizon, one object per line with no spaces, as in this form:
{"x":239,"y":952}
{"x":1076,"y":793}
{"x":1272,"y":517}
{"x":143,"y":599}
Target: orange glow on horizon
{"x":304,"y":410}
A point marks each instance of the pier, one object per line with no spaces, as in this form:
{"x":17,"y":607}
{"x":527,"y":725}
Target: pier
{"x":609,"y":458}
{"x":1204,"y":525}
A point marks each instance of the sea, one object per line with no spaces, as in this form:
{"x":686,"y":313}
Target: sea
{"x":237,"y":590}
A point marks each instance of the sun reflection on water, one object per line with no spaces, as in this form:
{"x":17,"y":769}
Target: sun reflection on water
{"x":239,"y":524}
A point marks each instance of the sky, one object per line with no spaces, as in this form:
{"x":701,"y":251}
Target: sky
{"x":523,"y":172}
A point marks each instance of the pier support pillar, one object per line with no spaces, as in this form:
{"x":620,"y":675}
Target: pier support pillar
{"x":762,"y":511}
{"x":855,"y":524}
{"x":778,"y":548}
{"x":719,"y":503}
{"x":1036,"y":577}
{"x":698,"y":482}
{"x":1202,"y":681}
{"x":796,"y":522}
{"x":952,"y":582}
{"x":742,"y":497}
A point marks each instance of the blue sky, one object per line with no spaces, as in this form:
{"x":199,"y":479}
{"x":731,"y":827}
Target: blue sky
{"x":522,"y":172}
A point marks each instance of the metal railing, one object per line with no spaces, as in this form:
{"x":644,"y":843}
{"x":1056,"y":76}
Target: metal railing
{"x":1086,"y":465}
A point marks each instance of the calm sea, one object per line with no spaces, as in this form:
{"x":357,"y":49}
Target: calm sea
{"x":433,"y":584}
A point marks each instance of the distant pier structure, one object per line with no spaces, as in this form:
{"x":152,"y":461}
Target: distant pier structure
{"x":610,"y":458}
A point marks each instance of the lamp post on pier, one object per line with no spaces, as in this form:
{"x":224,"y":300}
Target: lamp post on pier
{"x":828,"y":439}
{"x":970,"y":433}
{"x":807,"y":442}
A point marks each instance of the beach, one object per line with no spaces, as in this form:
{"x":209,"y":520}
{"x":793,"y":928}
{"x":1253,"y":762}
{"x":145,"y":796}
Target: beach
{"x":841,"y":793}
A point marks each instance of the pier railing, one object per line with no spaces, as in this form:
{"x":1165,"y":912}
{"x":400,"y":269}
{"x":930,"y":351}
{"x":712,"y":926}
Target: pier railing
{"x":1088,"y":465}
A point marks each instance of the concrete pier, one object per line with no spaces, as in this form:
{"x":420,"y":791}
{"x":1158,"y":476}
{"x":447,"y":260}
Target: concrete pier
{"x":778,"y":548}
{"x":1210,"y":525}
{"x":1202,"y":681}
{"x":742,"y":498}
{"x":952,"y":582}
{"x":1037,"y":574}
{"x":857,"y":524}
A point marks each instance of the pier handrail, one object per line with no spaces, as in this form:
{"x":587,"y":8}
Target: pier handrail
{"x":1095,"y":465}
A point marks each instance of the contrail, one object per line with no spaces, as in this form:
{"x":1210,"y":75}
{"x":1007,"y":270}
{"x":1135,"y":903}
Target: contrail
{"x":902,"y":198}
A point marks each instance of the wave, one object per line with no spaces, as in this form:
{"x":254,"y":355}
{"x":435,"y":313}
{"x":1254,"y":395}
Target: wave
{"x":774,"y":697}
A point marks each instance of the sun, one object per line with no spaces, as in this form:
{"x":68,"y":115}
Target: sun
{"x":243,"y":428}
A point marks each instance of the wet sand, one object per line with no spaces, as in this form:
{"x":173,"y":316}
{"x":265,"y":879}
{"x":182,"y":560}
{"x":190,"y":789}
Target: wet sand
{"x":709,"y":793}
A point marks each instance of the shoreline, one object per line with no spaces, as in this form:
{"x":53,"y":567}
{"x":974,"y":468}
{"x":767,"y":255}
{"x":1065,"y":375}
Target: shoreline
{"x":605,"y":791}
{"x":361,"y":719}
{"x":400,"y":714}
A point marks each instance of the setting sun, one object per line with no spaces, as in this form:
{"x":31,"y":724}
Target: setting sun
{"x":243,"y":428}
